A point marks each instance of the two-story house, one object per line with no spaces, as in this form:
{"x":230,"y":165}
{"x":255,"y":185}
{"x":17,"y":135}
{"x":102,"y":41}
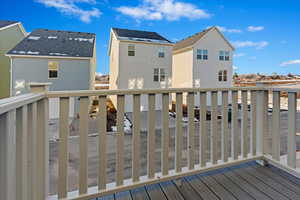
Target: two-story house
{"x":11,"y":33}
{"x":139,"y":60}
{"x":65,"y":59}
{"x":205,"y":59}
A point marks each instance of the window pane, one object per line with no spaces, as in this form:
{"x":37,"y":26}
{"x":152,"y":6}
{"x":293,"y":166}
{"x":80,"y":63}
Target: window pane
{"x":205,"y":57}
{"x":155,"y":78}
{"x":221,"y":57}
{"x":130,"y":47}
{"x":221,"y":53}
{"x":131,"y":53}
{"x":162,"y":71}
{"x":199,"y":57}
{"x":52,"y":65}
{"x":131,"y":50}
{"x":161,"y":54}
{"x":156,"y":71}
{"x":225,"y":75}
{"x":52,"y":74}
{"x":199,"y":51}
{"x":205,"y":52}
{"x":220,"y":75}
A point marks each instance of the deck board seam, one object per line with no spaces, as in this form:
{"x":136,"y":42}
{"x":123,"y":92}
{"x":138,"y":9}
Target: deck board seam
{"x":209,"y":187}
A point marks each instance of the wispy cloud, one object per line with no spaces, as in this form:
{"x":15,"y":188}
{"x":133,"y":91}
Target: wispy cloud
{"x":255,"y":28}
{"x":236,"y":55}
{"x":170,"y":10}
{"x":290,"y":62}
{"x":229,"y":30}
{"x":70,"y":7}
{"x":257,"y":45}
{"x":235,"y":67}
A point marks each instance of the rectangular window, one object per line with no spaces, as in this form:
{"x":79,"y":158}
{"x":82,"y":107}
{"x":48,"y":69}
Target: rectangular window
{"x":162,"y":74}
{"x":220,"y":76}
{"x":131,"y":50}
{"x":226,"y":55}
{"x":225,"y":75}
{"x":156,"y":75}
{"x":159,"y":75}
{"x":53,"y":69}
{"x":221,"y":55}
{"x":202,"y":54}
{"x":161,"y":53}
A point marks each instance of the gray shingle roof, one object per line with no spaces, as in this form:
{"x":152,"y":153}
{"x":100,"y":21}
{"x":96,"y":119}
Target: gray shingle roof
{"x":139,"y":35}
{"x":44,"y":42}
{"x":4,"y":23}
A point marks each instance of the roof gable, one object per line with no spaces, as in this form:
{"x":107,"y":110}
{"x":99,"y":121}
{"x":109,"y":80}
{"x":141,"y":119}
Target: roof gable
{"x":5,"y":23}
{"x":44,"y":42}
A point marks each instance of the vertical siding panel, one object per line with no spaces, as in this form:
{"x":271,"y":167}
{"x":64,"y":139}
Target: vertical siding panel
{"x":225,"y":139}
{"x":191,"y":130}
{"x":120,"y":140}
{"x":136,"y":138}
{"x":165,"y":134}
{"x":203,"y":130}
{"x":178,"y":137}
{"x":151,"y":136}
{"x":276,"y":126}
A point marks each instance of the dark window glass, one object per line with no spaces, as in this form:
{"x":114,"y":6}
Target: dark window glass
{"x":52,"y":74}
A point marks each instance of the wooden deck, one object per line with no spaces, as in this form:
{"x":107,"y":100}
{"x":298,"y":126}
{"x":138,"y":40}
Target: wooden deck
{"x":246,"y":181}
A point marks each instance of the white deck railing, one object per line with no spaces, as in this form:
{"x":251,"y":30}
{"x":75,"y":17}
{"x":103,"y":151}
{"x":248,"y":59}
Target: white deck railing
{"x":24,"y":147}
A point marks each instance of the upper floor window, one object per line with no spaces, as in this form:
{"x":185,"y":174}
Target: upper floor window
{"x":131,"y":50}
{"x":202,"y":54}
{"x":161,"y":53}
{"x":222,"y":75}
{"x":53,"y":69}
{"x":224,"y":55}
{"x":159,"y":74}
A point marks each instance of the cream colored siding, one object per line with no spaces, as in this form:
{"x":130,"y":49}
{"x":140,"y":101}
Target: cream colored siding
{"x":182,"y":69}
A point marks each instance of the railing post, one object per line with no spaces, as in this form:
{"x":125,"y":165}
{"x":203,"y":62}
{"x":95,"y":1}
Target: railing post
{"x":261,"y":121}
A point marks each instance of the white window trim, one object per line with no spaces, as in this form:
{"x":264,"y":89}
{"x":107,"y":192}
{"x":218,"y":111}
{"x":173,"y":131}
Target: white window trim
{"x":160,"y":74}
{"x":53,"y":78}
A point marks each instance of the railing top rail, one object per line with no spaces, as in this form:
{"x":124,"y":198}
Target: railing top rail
{"x":18,"y":101}
{"x":78,"y":93}
{"x":284,"y":89}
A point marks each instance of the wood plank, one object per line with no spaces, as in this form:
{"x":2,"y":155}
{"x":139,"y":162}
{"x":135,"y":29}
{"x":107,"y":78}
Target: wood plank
{"x":230,"y":186}
{"x":253,"y":123}
{"x":276,"y":126}
{"x":203,"y":131}
{"x":225,"y":132}
{"x":246,"y":186}
{"x":191,"y":130}
{"x":136,"y":138}
{"x":63,"y":152}
{"x":151,"y":136}
{"x":21,"y":153}
{"x":155,"y":192}
{"x":214,"y":128}
{"x":171,"y":191}
{"x":165,"y":134}
{"x":244,"y":137}
{"x":201,"y":188}
{"x":292,"y":108}
{"x":234,"y":125}
{"x":178,"y":134}
{"x":125,"y":195}
{"x":261,"y":186}
{"x":83,"y":144}
{"x":120,"y":140}
{"x":219,"y":190}
{"x":285,"y":175}
{"x":273,"y":184}
{"x":187,"y":190}
{"x":102,"y":119}
{"x":139,"y":194}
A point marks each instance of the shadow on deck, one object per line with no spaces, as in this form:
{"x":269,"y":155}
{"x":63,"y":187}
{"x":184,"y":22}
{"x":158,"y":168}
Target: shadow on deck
{"x":245,"y":181}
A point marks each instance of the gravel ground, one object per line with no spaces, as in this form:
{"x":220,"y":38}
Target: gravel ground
{"x":111,"y":140}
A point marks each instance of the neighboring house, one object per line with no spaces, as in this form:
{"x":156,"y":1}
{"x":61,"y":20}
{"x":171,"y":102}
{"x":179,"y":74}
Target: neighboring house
{"x":139,"y":60}
{"x":65,"y":59}
{"x":203,"y":60}
{"x":11,"y":33}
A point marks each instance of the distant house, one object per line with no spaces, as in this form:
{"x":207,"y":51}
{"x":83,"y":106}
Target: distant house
{"x":139,"y":60}
{"x":205,"y":59}
{"x":11,"y":32}
{"x":65,"y":59}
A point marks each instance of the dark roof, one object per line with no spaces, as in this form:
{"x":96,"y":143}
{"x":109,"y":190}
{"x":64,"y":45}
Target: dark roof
{"x":135,"y":35}
{"x":44,"y":42}
{"x":189,"y":41}
{"x":4,"y":23}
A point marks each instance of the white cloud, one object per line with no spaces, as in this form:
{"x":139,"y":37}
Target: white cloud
{"x":164,"y":9}
{"x":235,"y":67}
{"x":255,"y":28}
{"x":257,"y":45}
{"x":290,"y":62}
{"x":70,"y":7}
{"x":239,"y":55}
{"x":228,"y":30}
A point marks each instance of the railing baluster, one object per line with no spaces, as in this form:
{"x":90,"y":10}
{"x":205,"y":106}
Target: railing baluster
{"x":234,"y":125}
{"x":292,"y":109}
{"x":42,"y":149}
{"x":7,"y":155}
{"x":203,"y":130}
{"x":21,"y":150}
{"x":191,"y":128}
{"x":63,"y":148}
{"x":244,"y":136}
{"x":136,"y":138}
{"x":214,"y":128}
{"x":178,"y":136}
{"x":31,"y":145}
{"x":265,"y":121}
{"x":120,"y":140}
{"x":276,"y":126}
{"x":165,"y":134}
{"x":83,"y":144}
{"x":253,"y":123}
{"x":102,"y":120}
{"x":151,"y":136}
{"x":225,"y":139}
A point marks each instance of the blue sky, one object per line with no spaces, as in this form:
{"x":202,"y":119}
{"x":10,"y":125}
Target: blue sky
{"x":264,"y":32}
